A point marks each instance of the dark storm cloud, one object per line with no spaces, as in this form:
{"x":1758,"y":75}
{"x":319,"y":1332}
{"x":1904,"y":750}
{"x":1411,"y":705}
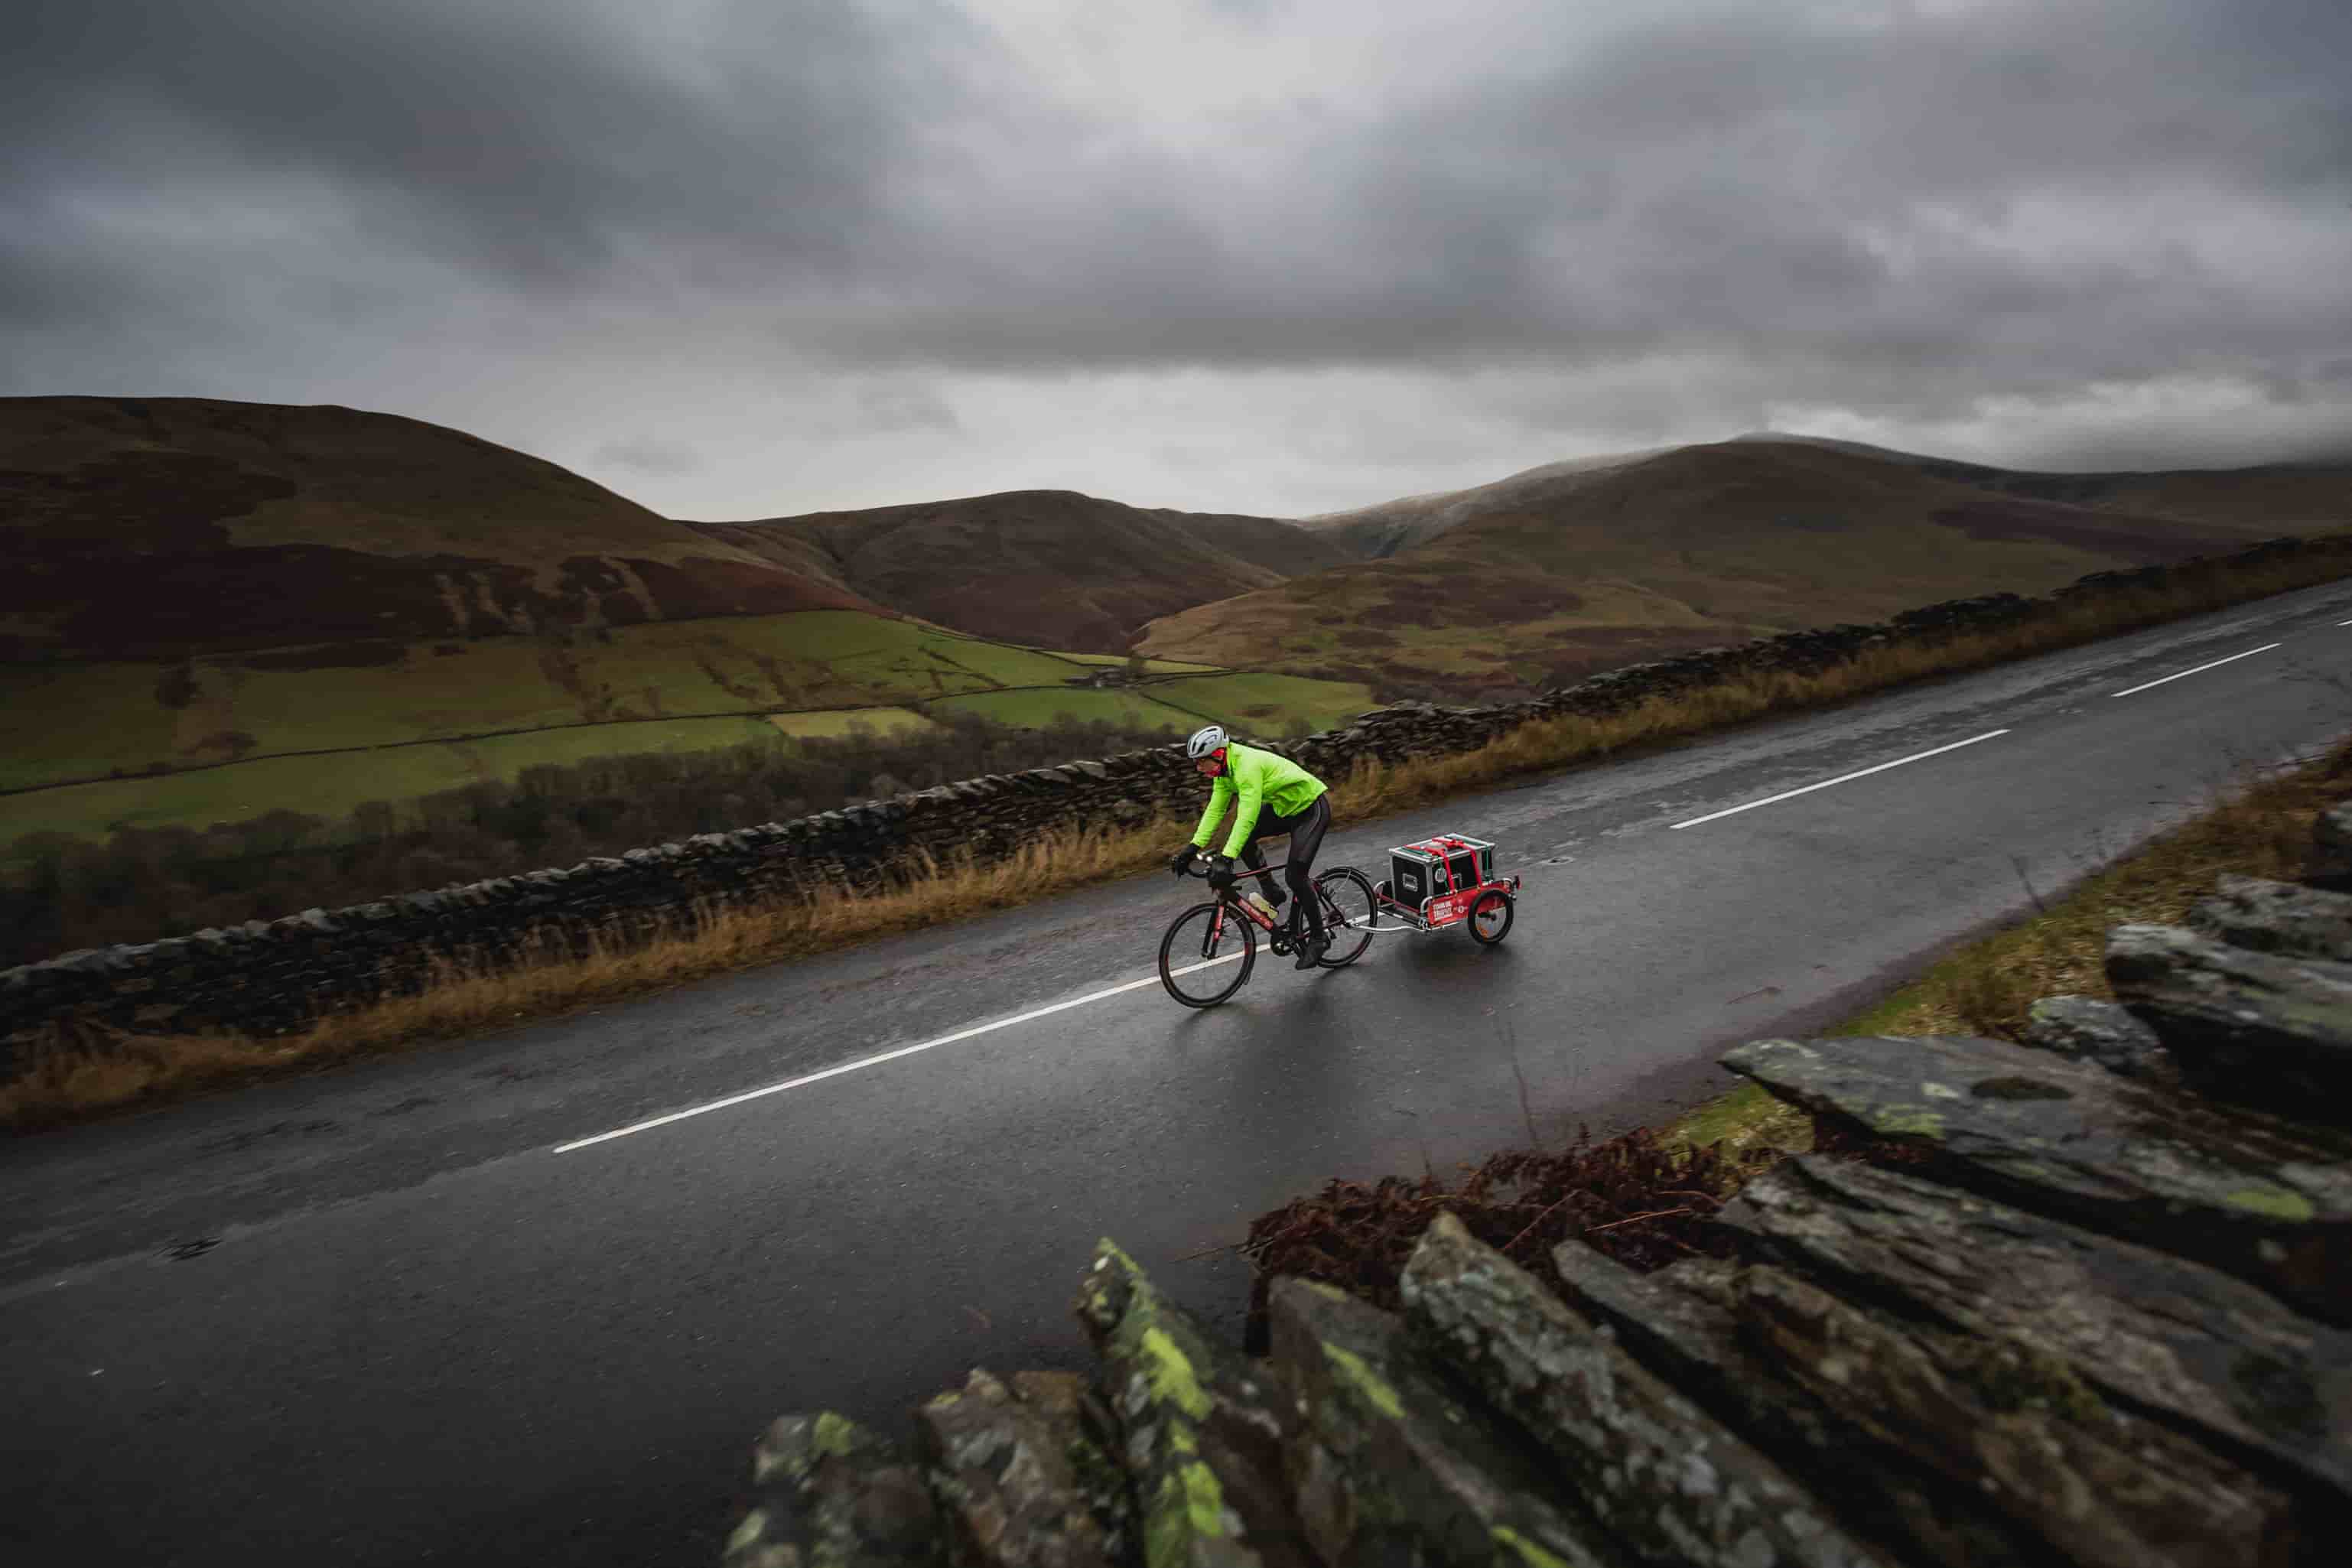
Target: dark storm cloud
{"x":1899,"y":208}
{"x":1959,"y":190}
{"x":535,"y":144}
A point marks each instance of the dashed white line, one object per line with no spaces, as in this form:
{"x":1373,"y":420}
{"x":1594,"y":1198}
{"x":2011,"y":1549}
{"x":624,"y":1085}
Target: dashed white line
{"x":2202,"y":667}
{"x":876,"y":1060}
{"x":863,"y":1062}
{"x":1842,"y":778}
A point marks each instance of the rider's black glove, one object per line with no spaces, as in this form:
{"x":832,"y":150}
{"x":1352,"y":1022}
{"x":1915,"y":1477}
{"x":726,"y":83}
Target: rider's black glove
{"x":1221,"y":873}
{"x":1181,"y":861}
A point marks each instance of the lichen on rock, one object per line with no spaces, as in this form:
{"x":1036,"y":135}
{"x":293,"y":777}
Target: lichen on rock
{"x":1021,"y":1473}
{"x":1670,"y":1483}
{"x":833,"y":1494}
{"x":1389,"y":1464}
{"x":1201,"y":1432}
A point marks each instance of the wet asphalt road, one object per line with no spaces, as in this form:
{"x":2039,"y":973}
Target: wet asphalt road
{"x":374,"y":1317}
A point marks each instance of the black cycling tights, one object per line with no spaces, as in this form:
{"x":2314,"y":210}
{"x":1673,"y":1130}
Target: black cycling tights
{"x":1306,"y":830}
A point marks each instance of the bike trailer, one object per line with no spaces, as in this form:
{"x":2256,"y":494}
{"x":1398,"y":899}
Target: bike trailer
{"x":1437,"y":881}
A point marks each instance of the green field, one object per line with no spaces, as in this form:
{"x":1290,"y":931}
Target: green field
{"x":1267,"y":706}
{"x":1264,"y":705}
{"x":82,"y":721}
{"x":332,"y":785}
{"x":1153,"y":666}
{"x":832,"y":723}
{"x":68,"y":723}
{"x":99,"y":747}
{"x":1034,"y":710}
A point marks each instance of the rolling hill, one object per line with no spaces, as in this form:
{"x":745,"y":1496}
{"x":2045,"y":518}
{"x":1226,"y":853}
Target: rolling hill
{"x":1559,"y":570}
{"x":2261,"y":500}
{"x":211,"y":610}
{"x":168,"y":527}
{"x":1052,"y":568}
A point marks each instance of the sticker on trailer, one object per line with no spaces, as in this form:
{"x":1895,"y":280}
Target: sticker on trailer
{"x":1450,"y":907}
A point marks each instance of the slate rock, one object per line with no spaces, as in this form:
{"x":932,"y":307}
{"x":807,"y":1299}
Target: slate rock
{"x":1022,"y":1475}
{"x":2105,"y":1490}
{"x":1200,"y":1431}
{"x":1392,"y":1468}
{"x":2256,"y":1026}
{"x":1667,"y":1480}
{"x":2106,"y":1034}
{"x":2264,"y":1198}
{"x":1681,"y":1323}
{"x":2285,"y":918}
{"x":2207,"y":1352}
{"x":832,"y":1492}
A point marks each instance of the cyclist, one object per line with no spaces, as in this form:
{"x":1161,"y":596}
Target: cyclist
{"x":1277,"y":797}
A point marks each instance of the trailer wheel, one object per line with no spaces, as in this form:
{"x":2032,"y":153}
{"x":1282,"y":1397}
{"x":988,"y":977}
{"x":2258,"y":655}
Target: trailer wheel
{"x":1490,"y":916}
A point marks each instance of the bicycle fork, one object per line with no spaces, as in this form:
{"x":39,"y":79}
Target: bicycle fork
{"x":1214,"y":937}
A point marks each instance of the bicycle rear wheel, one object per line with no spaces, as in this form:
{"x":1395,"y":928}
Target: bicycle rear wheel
{"x":1349,"y":914}
{"x":1207,"y":954}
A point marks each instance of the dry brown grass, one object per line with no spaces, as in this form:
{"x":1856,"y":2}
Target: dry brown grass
{"x":93,"y":1072}
{"x":1373,"y":790}
{"x":80,"y":1079}
{"x":2261,"y":828}
{"x":1634,"y":1198}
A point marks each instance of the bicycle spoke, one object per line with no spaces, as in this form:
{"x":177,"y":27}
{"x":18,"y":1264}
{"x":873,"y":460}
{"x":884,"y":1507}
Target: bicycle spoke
{"x":1207,"y":981}
{"x":1350,"y":932}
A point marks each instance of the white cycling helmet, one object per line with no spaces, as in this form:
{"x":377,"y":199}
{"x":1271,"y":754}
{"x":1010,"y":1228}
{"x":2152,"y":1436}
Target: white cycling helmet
{"x":1207,"y":739}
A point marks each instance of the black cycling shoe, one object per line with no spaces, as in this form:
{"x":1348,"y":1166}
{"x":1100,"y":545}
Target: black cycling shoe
{"x":1309,"y":949}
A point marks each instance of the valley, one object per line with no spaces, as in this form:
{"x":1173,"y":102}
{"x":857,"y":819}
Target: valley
{"x":322,"y":633}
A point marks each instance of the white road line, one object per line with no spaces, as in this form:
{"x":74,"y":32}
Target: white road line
{"x":1864,"y":773}
{"x":2344,"y":623}
{"x":2202,"y":667}
{"x":886,"y":1057}
{"x":864,"y":1062}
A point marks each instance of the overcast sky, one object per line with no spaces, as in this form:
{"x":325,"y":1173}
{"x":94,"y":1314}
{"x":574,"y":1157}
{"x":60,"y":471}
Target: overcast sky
{"x":748,"y":257}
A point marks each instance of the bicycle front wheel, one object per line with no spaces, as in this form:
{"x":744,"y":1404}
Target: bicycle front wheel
{"x":1207,"y":954}
{"x":1350,"y":913}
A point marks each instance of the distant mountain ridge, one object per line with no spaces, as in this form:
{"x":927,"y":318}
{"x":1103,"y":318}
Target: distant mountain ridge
{"x":1561,"y":570}
{"x":174,"y":528}
{"x":2233,"y":498}
{"x":1051,"y":568}
{"x":1385,"y":528}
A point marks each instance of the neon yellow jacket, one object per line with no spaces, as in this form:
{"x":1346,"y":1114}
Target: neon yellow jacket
{"x":1261,"y":779}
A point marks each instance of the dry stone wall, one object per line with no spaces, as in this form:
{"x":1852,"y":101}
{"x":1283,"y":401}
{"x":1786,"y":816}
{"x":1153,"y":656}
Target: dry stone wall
{"x":2056,"y":1314}
{"x":276,"y":976}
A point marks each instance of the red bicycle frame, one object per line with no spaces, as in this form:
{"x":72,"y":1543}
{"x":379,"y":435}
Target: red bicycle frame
{"x":1258,"y":917}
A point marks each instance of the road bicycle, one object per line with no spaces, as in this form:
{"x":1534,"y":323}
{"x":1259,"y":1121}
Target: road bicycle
{"x":1211,"y":948}
{"x":1446,"y":881}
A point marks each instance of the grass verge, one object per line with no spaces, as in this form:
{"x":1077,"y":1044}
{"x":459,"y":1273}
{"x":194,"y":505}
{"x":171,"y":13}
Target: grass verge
{"x":2259,"y":827}
{"x":77,"y":1076}
{"x":71,"y":1079}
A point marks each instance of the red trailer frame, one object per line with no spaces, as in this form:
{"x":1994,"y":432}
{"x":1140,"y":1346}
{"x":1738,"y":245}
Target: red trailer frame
{"x":1452,"y":906}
